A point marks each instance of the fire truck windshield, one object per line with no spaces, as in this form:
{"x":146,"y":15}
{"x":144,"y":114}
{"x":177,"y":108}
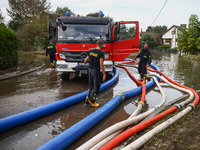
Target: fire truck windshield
{"x":84,"y":33}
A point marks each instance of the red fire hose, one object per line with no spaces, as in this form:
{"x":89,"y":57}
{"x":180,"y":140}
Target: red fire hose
{"x":126,"y":134}
{"x":128,"y":62}
{"x":138,"y":82}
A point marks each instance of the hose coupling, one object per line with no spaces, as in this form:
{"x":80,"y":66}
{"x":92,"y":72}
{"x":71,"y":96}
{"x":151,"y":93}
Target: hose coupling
{"x":156,"y":107}
{"x":123,"y":96}
{"x":191,"y":105}
{"x":140,"y":102}
{"x":178,"y":106}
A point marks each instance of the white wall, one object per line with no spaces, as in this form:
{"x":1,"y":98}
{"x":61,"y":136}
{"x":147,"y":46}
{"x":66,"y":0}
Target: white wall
{"x":169,"y":35}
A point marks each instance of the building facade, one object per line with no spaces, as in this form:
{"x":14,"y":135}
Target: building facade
{"x":170,"y":37}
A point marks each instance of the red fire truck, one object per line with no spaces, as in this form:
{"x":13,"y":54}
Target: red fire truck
{"x":76,"y":35}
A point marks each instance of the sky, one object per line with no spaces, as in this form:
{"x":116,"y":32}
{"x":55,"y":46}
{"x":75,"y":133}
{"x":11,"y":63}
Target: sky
{"x":175,"y":12}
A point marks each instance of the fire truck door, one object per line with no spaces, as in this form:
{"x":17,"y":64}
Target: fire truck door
{"x":125,"y":39}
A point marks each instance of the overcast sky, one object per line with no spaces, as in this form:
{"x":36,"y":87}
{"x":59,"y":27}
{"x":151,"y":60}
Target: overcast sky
{"x":175,"y":12}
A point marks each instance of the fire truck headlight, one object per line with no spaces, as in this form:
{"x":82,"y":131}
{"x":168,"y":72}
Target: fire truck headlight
{"x":62,"y":56}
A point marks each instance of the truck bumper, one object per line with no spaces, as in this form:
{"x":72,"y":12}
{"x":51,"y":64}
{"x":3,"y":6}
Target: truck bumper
{"x":68,"y":67}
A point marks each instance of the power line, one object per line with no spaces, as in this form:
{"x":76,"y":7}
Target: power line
{"x":159,"y":12}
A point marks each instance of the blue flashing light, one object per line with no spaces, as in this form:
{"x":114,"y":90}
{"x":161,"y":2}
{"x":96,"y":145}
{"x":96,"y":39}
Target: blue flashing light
{"x":100,"y":14}
{"x":68,"y":13}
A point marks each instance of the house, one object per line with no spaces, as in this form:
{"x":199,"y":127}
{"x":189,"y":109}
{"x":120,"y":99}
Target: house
{"x":170,"y":36}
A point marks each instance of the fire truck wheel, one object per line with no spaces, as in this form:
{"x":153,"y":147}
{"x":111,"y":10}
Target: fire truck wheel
{"x":65,"y":76}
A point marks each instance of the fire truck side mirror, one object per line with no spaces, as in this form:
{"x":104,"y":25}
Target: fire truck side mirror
{"x":64,"y":28}
{"x":49,"y":30}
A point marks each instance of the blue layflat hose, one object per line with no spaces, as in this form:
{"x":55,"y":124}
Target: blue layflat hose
{"x":70,"y":135}
{"x":30,"y":115}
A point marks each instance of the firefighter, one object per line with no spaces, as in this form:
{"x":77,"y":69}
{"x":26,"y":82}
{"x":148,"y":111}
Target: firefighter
{"x":95,"y":58}
{"x":145,"y":61}
{"x":51,"y":51}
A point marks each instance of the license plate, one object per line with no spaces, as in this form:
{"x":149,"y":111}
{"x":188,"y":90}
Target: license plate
{"x":83,"y":71}
{"x":83,"y":65}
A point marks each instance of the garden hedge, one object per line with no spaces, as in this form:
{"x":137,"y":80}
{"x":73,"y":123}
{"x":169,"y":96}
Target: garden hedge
{"x":9,"y":45}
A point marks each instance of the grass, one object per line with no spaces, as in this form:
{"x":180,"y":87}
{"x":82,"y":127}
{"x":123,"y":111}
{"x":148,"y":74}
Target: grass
{"x":189,"y":56}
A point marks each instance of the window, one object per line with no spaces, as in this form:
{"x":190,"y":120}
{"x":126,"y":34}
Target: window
{"x":173,"y":32}
{"x":168,"y":41}
{"x":127,"y":31}
{"x":80,"y":32}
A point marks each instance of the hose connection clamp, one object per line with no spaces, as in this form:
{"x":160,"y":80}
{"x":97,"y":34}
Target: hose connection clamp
{"x":178,"y":106}
{"x":123,"y":96}
{"x":191,"y":105}
{"x":140,"y":102}
{"x":156,"y":107}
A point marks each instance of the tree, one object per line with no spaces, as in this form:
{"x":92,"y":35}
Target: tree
{"x":182,"y":39}
{"x":15,"y":23}
{"x":148,"y":38}
{"x":127,"y":32}
{"x":157,"y":29}
{"x":29,"y":18}
{"x":62,"y":11}
{"x":96,"y":14}
{"x":193,"y":33}
{"x":33,"y":36}
{"x":189,"y":39}
{"x":23,"y":11}
{"x":1,"y":17}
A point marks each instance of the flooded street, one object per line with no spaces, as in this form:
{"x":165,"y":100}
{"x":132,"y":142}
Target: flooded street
{"x":46,"y":86}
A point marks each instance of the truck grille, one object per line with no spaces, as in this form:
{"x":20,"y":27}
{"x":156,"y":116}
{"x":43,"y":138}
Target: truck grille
{"x":74,"y":56}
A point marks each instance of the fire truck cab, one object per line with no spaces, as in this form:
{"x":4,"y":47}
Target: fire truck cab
{"x":75,"y":36}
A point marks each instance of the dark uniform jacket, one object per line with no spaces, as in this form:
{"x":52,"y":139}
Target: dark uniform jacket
{"x":51,"y":50}
{"x":145,"y":56}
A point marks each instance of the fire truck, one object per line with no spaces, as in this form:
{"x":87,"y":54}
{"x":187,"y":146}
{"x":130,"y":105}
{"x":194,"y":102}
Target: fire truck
{"x":76,"y":35}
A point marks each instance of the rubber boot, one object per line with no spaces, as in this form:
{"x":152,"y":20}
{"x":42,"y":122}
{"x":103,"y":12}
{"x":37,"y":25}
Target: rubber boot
{"x":141,"y":79}
{"x":51,"y":65}
{"x":93,"y":102}
{"x":87,"y":100}
{"x":144,"y":80}
{"x":54,"y":64}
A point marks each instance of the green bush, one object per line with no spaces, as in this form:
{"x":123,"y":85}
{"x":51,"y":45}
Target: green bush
{"x":9,"y":45}
{"x":148,"y":38}
{"x":164,"y":47}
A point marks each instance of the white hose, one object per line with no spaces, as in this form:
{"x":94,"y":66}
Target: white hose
{"x":119,"y":127}
{"x":146,"y":137}
{"x":178,"y":88}
{"x":137,"y":111}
